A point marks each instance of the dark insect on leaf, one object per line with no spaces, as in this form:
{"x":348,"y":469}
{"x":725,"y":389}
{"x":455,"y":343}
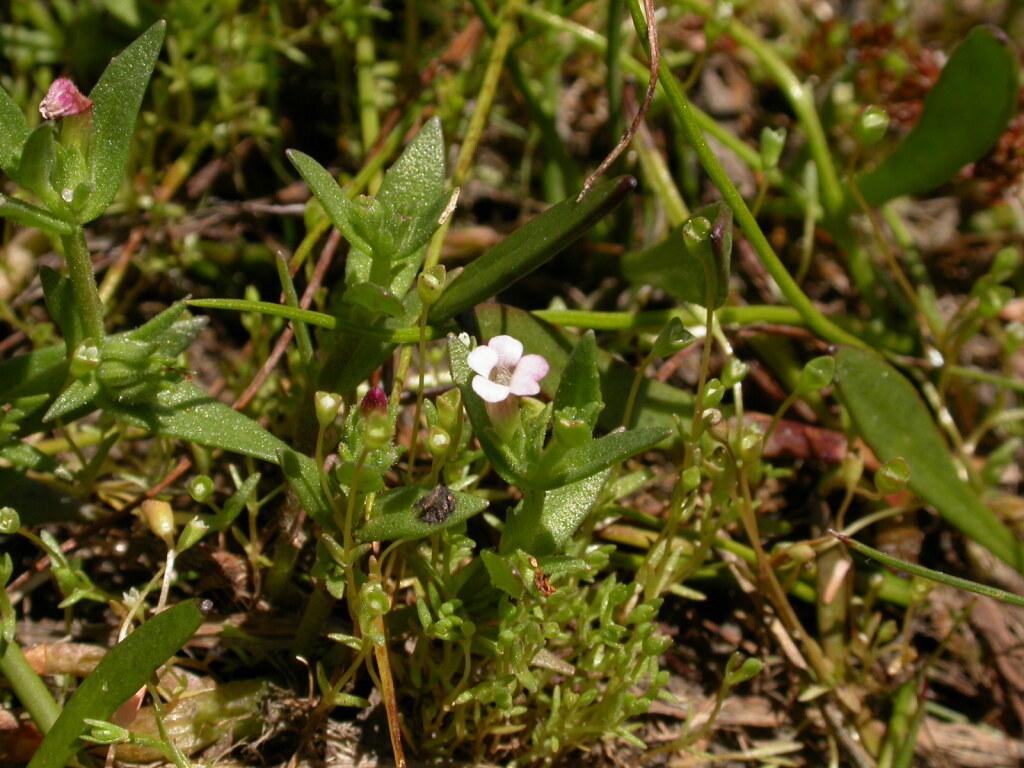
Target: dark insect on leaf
{"x":437,"y":506}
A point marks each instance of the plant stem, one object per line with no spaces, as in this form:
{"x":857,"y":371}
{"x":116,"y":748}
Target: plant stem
{"x":28,"y":687}
{"x":680,"y":106}
{"x":484,"y":100}
{"x":88,"y":305}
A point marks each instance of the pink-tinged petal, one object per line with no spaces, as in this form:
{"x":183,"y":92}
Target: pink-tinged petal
{"x":490,"y":391}
{"x":375,"y":401}
{"x":63,"y":100}
{"x":528,"y":374}
{"x":482,"y":360}
{"x":509,"y":350}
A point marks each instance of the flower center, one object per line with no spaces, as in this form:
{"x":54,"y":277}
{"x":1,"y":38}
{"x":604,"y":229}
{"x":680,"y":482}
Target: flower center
{"x":502,"y":374}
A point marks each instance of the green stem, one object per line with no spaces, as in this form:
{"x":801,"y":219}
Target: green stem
{"x":28,"y":687}
{"x":88,"y":305}
{"x":800,"y":97}
{"x":928,"y":573}
{"x":680,"y":106}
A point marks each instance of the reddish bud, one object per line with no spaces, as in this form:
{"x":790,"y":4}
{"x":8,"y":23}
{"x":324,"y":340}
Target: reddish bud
{"x":375,"y":401}
{"x":63,"y":100}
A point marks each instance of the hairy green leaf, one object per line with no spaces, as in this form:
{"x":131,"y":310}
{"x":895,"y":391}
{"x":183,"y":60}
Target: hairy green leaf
{"x":14,"y":131}
{"x":117,"y":98}
{"x":580,"y":385}
{"x":396,"y":514}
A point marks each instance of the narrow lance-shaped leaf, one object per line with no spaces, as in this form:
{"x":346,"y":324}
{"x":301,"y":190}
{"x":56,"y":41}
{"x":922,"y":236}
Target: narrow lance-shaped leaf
{"x":580,"y":384}
{"x":893,"y":420}
{"x":117,"y":98}
{"x":964,"y":115}
{"x":28,"y":215}
{"x":121,"y":672}
{"x":14,"y":130}
{"x":325,"y":189}
{"x":184,"y":411}
{"x":598,"y":455}
{"x":414,"y":182}
{"x":529,"y":247}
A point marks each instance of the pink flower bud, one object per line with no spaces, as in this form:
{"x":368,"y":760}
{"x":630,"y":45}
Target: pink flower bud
{"x":63,"y":100}
{"x":375,"y":401}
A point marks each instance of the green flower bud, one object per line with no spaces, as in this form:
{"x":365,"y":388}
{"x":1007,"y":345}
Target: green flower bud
{"x":892,"y":477}
{"x":673,"y":337}
{"x":200,"y":488}
{"x":1004,"y":264}
{"x":438,"y":442}
{"x":10,"y":522}
{"x":739,"y":673}
{"x":690,"y":479}
{"x":449,"y":410}
{"x":801,"y":553}
{"x":751,"y":444}
{"x":734,"y":372}
{"x":327,"y":405}
{"x":193,"y":532}
{"x":102,"y":732}
{"x":871,"y":126}
{"x":713,"y":393}
{"x":85,"y":359}
{"x":773,"y":140}
{"x":160,"y":517}
{"x":430,"y":284}
{"x":817,"y":374}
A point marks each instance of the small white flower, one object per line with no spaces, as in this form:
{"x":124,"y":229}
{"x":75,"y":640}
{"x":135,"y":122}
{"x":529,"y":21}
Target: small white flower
{"x":503,"y":370}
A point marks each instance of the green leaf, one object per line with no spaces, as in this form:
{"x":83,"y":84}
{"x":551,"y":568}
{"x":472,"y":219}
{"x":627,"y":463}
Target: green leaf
{"x":964,"y":115}
{"x":36,"y":168}
{"x":416,"y":180}
{"x":25,"y":457}
{"x":372,"y":297}
{"x":14,"y":131}
{"x":28,"y":215}
{"x":529,"y":247}
{"x":117,"y":98}
{"x":678,"y":264}
{"x":580,"y":385}
{"x":564,"y":510}
{"x":329,"y":194}
{"x":395,"y":515}
{"x":595,"y":456}
{"x":269,"y":308}
{"x":79,"y":394}
{"x":502,"y":573}
{"x":184,"y":411}
{"x":60,"y":303}
{"x":121,"y":672}
{"x":893,"y":420}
